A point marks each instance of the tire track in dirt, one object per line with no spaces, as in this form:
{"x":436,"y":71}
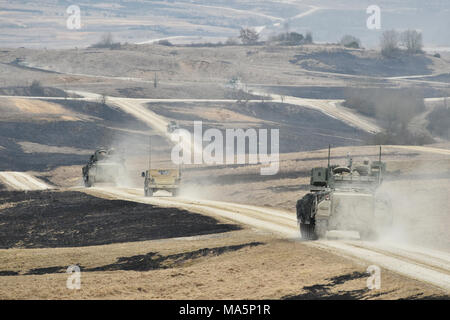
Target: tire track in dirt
{"x":425,"y":270}
{"x":431,"y":267}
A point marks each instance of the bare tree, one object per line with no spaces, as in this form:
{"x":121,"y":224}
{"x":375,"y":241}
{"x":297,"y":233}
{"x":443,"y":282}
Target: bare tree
{"x":248,"y":36}
{"x":308,"y":38}
{"x":107,"y":41}
{"x":412,"y":40}
{"x":231,"y":42}
{"x":389,"y":42}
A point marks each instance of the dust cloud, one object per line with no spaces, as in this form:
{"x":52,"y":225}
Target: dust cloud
{"x":420,"y":208}
{"x":138,"y":153}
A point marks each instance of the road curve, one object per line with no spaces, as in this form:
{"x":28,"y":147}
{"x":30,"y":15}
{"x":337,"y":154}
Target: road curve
{"x":333,"y":109}
{"x":426,"y":265}
{"x":330,"y":107}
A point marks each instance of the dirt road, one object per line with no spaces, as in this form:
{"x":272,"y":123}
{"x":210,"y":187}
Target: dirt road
{"x":331,"y":108}
{"x":422,"y":264}
{"x":135,"y":107}
{"x":426,"y":265}
{"x":430,"y":266}
{"x":22,"y":181}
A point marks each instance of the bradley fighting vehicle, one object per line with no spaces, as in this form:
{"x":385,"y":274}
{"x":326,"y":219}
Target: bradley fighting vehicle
{"x":344,"y":201}
{"x":103,"y":166}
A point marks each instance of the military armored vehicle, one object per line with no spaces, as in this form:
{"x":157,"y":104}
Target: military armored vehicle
{"x":161,"y":179}
{"x":344,"y":198}
{"x":104,"y":166}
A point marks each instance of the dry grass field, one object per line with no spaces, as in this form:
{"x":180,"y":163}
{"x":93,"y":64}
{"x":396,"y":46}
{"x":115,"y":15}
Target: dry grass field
{"x":273,"y":269}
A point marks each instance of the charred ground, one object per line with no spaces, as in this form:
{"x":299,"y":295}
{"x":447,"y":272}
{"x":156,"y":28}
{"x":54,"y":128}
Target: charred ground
{"x":92,"y":125}
{"x":300,"y":128}
{"x":49,"y":219}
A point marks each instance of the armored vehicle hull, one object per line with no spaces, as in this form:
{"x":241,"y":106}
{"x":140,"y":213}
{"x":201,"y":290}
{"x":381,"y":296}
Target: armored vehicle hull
{"x":161,"y":179}
{"x":344,"y":199}
{"x":103,"y":167}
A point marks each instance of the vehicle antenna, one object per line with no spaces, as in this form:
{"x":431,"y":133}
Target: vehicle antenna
{"x":380,"y":169}
{"x":150,"y":152}
{"x":329,"y":153}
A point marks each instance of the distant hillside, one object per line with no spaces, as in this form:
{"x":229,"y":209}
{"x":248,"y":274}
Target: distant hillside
{"x":139,"y":21}
{"x":362,"y":62}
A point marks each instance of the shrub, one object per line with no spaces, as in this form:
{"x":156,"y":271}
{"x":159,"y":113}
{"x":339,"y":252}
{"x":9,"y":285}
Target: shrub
{"x":288,"y":38}
{"x":394,"y":109}
{"x":165,"y":43}
{"x":231,"y":42}
{"x":248,"y":36}
{"x":107,"y":41}
{"x":36,"y":89}
{"x":349,"y":41}
{"x":400,"y":137}
{"x":394,"y":106}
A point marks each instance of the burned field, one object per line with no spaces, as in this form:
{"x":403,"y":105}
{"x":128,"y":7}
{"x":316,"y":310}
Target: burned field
{"x":50,"y":219}
{"x":300,"y":128}
{"x":42,"y":141}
